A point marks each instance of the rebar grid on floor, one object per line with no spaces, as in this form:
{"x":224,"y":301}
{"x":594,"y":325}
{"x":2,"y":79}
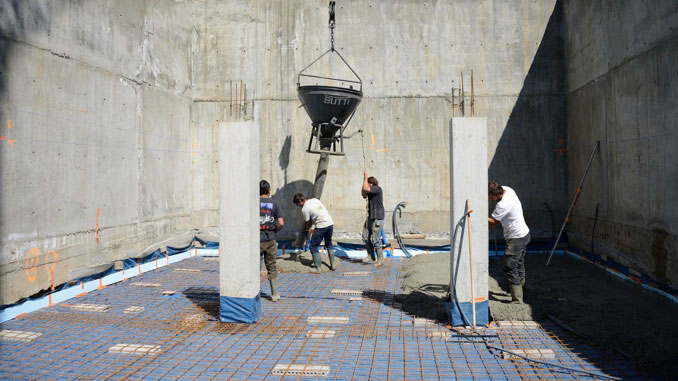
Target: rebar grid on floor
{"x":183,"y":339}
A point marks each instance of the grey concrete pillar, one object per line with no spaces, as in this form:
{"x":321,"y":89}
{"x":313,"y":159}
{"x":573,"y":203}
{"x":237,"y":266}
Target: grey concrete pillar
{"x":239,"y":222}
{"x":468,"y":181}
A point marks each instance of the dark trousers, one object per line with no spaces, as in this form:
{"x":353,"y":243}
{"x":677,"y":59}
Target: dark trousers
{"x":269,"y":249}
{"x":319,"y":235}
{"x":514,"y":259}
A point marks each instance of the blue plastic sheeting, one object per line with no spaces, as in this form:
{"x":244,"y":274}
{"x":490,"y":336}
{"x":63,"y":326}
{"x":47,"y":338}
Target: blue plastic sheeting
{"x":239,"y":310}
{"x":89,"y":283}
{"x":453,"y":314}
{"x":176,"y":250}
{"x":150,"y":257}
{"x":207,"y":244}
{"x":128,"y":263}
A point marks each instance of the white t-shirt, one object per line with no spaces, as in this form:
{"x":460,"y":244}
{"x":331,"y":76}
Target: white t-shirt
{"x":315,"y":211}
{"x":509,"y":212}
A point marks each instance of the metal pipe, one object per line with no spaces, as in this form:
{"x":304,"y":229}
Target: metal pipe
{"x":574,"y":200}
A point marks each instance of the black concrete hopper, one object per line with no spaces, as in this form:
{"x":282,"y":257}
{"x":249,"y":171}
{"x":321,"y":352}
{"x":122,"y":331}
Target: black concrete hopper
{"x":329,"y":107}
{"x":322,"y":103}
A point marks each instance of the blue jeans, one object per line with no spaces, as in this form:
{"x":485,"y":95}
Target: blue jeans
{"x":319,"y":235}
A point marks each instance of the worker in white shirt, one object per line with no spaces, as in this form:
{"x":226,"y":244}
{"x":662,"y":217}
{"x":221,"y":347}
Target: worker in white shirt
{"x":509,"y":212}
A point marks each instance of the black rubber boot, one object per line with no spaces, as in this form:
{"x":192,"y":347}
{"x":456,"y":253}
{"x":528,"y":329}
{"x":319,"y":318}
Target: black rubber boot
{"x":274,"y":290}
{"x":330,"y":254}
{"x":516,"y":293}
{"x":380,"y":257}
{"x":317,"y":260}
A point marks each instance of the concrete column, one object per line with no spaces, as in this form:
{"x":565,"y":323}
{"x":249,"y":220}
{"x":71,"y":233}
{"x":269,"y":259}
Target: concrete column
{"x":468,"y":181}
{"x":239,"y":222}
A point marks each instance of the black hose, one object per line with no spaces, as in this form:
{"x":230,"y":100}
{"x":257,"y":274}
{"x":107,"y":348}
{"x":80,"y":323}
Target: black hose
{"x":462,"y":224}
{"x":396,"y":232}
{"x":602,"y":375}
{"x":593,"y":232}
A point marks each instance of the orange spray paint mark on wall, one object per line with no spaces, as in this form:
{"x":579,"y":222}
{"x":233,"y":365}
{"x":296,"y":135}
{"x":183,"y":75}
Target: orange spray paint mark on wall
{"x":32,"y":263}
{"x":97,"y":225}
{"x":55,"y":258}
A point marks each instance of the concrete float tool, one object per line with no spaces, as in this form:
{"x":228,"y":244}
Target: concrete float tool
{"x":331,"y":107}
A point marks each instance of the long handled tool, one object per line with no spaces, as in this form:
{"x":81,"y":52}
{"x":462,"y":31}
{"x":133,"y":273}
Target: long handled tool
{"x":574,"y":200}
{"x":362,"y":140}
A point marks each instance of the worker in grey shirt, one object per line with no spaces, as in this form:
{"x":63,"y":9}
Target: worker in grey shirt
{"x":375,"y":218}
{"x":509,"y":212}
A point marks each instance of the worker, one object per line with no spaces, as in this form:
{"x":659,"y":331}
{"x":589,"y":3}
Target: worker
{"x":375,"y":218}
{"x":316,"y":215}
{"x":270,"y":223}
{"x":509,"y":212}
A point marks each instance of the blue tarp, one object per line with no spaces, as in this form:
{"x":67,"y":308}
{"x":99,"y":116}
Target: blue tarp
{"x":453,"y":314}
{"x":176,"y":250}
{"x":239,"y":310}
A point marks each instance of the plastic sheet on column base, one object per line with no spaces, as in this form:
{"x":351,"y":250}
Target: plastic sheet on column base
{"x":239,"y":310}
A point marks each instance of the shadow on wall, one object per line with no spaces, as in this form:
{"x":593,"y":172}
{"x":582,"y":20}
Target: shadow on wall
{"x":291,"y":213}
{"x":284,"y":157}
{"x":531,"y":154}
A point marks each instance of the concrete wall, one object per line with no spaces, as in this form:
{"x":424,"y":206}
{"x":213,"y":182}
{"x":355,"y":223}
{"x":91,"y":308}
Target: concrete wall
{"x":114,"y":107}
{"x":98,"y":97}
{"x":410,"y":55}
{"x":622,"y":89}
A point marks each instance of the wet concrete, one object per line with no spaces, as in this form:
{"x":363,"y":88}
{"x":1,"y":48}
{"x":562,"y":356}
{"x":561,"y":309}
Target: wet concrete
{"x":611,"y":313}
{"x":287,"y":264}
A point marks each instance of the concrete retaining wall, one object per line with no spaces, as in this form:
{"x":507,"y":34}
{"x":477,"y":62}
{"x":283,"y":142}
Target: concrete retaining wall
{"x":97,"y":95}
{"x":114,"y":107}
{"x":410,"y":56}
{"x":622,"y":89}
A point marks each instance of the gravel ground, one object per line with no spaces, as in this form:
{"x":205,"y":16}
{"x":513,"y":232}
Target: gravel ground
{"x":614,"y":314}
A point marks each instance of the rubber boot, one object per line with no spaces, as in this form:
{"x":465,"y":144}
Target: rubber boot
{"x":330,"y":254}
{"x":274,"y":290}
{"x":516,"y":293}
{"x":317,"y":259}
{"x":380,"y":257}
